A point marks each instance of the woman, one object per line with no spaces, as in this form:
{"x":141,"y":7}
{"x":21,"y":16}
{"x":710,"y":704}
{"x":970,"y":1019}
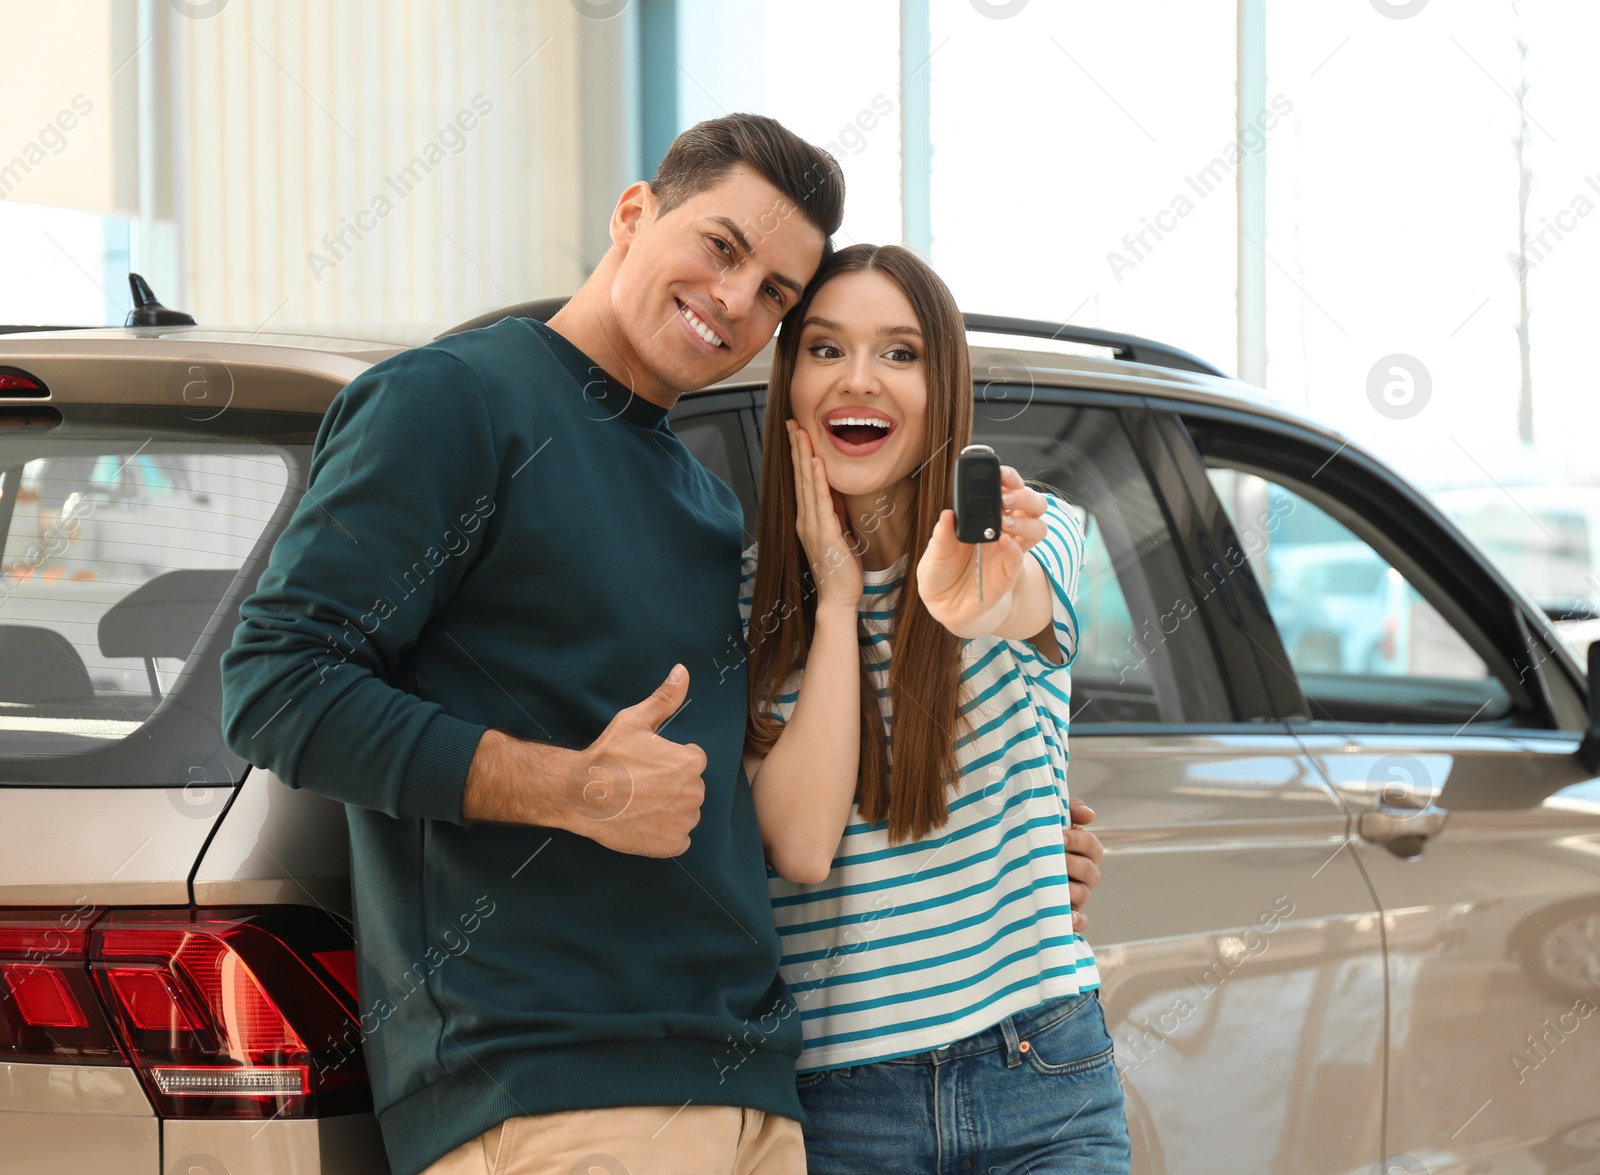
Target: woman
{"x":951,"y":1015}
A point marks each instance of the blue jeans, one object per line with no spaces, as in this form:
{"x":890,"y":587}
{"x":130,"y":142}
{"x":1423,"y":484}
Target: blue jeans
{"x":1037,"y":1093}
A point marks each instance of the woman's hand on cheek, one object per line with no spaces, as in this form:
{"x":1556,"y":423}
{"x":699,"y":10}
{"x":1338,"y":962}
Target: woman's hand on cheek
{"x":830,"y":549}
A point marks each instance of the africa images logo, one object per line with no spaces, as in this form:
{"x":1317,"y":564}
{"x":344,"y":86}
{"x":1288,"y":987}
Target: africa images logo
{"x":1399,"y":386}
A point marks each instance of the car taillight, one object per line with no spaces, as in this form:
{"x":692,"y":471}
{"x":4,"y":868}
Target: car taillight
{"x":16,"y":382}
{"x":48,"y":1010}
{"x":224,"y":1013}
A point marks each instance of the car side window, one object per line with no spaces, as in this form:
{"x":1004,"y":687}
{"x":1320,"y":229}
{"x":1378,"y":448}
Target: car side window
{"x":1144,"y":655}
{"x":1364,"y":643}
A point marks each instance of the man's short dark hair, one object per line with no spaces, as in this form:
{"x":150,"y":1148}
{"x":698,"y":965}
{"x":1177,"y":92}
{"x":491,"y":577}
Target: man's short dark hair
{"x":703,"y":155}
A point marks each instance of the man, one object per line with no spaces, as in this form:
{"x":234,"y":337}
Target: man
{"x":566,"y":950}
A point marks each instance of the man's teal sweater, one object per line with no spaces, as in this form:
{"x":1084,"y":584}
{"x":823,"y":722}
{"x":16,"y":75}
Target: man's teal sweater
{"x":496,"y":534}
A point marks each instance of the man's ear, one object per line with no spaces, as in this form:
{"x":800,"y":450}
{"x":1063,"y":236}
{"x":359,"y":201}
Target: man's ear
{"x":636,"y":207}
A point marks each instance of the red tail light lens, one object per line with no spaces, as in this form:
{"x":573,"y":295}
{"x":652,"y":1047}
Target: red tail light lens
{"x":225,"y":1013}
{"x":342,"y":966}
{"x":16,"y":382}
{"x":43,"y":997}
{"x":48,"y":1010}
{"x":148,"y":996}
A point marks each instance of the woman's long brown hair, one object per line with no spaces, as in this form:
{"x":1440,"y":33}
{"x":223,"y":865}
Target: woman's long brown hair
{"x":925,"y":669}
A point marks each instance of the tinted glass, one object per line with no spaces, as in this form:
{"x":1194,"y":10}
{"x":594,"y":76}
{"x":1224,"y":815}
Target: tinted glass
{"x":1361,"y":639}
{"x":130,"y":538}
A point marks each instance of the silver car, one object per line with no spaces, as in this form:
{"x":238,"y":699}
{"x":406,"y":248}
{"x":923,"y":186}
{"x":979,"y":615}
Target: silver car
{"x":1350,"y":921}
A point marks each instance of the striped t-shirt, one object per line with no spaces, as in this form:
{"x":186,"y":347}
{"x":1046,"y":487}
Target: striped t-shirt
{"x":907,"y":948}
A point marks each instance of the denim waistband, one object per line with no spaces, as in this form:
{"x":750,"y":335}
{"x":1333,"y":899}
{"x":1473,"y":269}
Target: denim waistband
{"x":1004,"y":1035}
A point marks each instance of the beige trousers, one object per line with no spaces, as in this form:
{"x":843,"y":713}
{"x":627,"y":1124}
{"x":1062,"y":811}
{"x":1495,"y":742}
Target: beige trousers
{"x":634,"y":1140}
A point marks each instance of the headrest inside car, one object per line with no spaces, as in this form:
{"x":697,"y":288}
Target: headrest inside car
{"x":164,"y":617}
{"x":40,"y":665}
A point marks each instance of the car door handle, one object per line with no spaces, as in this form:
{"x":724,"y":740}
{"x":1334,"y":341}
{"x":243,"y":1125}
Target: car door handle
{"x":1403,"y":831}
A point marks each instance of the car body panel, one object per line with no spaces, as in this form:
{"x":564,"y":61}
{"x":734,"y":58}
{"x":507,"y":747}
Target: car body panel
{"x":346,"y":1145}
{"x":1466,"y":923}
{"x":61,"y":1118}
{"x":277,"y":843}
{"x":179,"y":372}
{"x":1240,"y":953}
{"x":102,"y":846}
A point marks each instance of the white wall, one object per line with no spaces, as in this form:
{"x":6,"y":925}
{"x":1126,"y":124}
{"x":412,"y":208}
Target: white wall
{"x":376,"y":161}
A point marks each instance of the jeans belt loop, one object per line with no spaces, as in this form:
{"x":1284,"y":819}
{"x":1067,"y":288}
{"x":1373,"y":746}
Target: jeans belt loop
{"x":1013,"y":1053}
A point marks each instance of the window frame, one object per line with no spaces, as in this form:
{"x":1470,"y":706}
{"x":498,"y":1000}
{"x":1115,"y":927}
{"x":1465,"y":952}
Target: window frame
{"x":1516,"y":642}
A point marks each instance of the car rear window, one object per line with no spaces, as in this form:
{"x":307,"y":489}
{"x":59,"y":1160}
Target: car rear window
{"x":131,"y":535}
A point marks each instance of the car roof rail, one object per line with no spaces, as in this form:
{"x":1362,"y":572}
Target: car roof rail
{"x":1129,"y":348}
{"x":17,"y":329}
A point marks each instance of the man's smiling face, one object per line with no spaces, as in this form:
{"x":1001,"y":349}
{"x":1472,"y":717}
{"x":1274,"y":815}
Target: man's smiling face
{"x":703,"y":287}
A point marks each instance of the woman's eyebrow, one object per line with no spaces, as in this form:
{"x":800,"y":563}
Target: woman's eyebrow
{"x":825,"y":324}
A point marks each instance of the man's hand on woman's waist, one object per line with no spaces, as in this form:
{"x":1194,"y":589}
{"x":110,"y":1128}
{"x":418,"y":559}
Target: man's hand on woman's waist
{"x":1084,"y":854}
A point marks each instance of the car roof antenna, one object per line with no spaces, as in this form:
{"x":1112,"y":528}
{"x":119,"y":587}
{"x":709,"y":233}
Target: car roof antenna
{"x":147,"y":311}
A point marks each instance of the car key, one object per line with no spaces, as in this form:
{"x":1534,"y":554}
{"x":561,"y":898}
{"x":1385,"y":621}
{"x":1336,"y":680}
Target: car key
{"x":978,"y":510}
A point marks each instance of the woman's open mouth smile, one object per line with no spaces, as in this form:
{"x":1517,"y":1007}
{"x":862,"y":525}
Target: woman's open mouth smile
{"x":856,"y":432}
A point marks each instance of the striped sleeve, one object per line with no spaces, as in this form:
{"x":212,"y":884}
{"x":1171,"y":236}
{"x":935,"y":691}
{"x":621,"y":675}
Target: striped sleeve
{"x":1060,"y":553}
{"x":1049,"y":685}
